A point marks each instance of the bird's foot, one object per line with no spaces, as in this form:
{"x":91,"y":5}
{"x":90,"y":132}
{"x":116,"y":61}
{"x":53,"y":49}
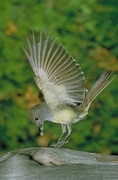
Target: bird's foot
{"x":59,"y":144}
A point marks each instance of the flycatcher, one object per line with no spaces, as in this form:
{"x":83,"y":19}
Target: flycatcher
{"x":61,"y":80}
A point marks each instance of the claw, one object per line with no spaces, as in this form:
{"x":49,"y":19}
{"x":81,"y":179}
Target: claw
{"x":58,"y":144}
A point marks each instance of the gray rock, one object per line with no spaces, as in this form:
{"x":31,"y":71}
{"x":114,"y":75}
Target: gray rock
{"x":58,"y":164}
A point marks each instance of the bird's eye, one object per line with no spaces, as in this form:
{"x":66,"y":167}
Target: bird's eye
{"x":36,"y":118}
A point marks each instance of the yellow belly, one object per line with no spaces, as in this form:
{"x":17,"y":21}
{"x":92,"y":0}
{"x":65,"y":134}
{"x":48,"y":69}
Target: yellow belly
{"x":64,"y":116}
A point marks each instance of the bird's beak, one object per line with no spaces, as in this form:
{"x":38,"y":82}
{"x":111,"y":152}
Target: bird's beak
{"x":41,"y":129}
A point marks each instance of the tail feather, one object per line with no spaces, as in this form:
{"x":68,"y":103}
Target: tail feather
{"x":97,"y":88}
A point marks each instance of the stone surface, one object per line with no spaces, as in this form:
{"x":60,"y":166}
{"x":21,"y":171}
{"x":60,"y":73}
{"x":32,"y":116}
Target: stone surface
{"x":52,"y":163}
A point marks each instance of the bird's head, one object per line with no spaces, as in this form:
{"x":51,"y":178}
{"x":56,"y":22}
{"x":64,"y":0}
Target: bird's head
{"x":36,"y":117}
{"x":38,"y":114}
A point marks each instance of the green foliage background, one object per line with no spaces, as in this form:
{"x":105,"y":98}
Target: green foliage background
{"x":89,"y":31}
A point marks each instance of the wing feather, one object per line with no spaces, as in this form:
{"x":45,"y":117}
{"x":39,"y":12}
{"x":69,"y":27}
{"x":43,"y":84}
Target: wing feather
{"x":56,"y":72}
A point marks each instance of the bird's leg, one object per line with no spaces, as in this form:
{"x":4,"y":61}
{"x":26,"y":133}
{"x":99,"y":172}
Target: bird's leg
{"x":60,"y":143}
{"x":69,"y":133}
{"x":65,"y":141}
{"x":63,"y":132}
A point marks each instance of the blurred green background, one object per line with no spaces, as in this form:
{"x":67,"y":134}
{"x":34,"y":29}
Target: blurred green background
{"x":89,"y":31}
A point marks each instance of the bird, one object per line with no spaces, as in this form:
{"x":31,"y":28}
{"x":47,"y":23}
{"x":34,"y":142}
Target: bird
{"x":62,"y":83}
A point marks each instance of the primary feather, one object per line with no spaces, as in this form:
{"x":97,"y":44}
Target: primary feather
{"x":56,"y":72}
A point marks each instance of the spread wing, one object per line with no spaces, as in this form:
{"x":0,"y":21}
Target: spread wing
{"x":57,"y":74}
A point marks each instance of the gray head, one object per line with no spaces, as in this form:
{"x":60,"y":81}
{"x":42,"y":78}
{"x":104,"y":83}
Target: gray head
{"x":38,"y":114}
